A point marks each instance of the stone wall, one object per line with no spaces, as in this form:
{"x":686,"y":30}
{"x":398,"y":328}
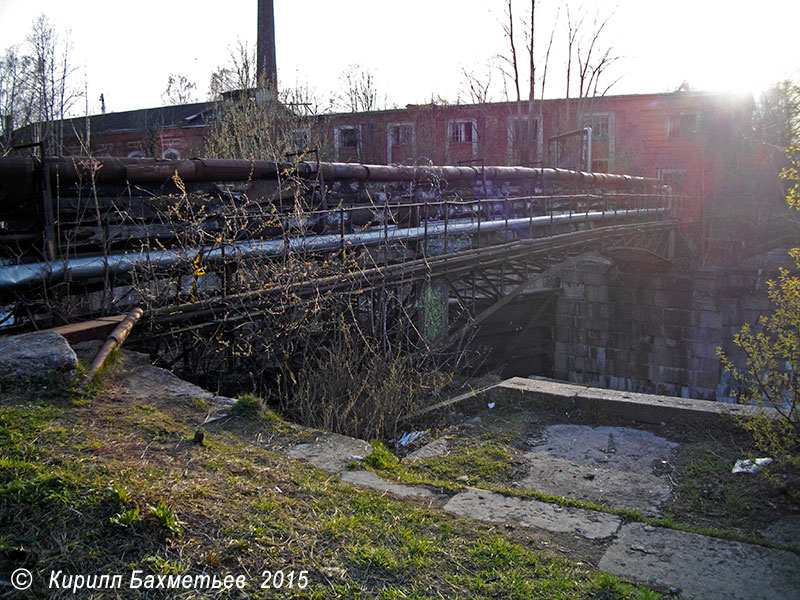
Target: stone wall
{"x":655,"y":332}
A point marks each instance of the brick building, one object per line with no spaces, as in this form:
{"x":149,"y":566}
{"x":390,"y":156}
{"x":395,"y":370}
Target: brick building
{"x":690,"y":140}
{"x":682,"y":137}
{"x":170,"y":132}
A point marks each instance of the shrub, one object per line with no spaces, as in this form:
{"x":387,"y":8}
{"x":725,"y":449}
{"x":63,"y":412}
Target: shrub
{"x":772,"y":351}
{"x":248,"y":406}
{"x":356,"y":387}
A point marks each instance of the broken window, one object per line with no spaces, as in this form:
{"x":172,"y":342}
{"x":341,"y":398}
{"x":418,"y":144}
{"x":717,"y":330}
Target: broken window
{"x":599,"y":124}
{"x":461,"y":132}
{"x":348,"y":137}
{"x":682,"y":126}
{"x":400,"y":135}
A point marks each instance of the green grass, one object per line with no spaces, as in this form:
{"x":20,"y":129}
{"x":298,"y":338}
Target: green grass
{"x":233,"y":506}
{"x":381,"y":458}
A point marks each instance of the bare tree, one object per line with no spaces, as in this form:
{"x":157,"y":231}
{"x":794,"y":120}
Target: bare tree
{"x":593,"y":62}
{"x":239,"y":73}
{"x":358,"y":91}
{"x":585,"y":47}
{"x":50,"y":80}
{"x":179,"y":90}
{"x":15,"y":97}
{"x":776,"y":119}
{"x":523,"y":132}
{"x":477,"y":85}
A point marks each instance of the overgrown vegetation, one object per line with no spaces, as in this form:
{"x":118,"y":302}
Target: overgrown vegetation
{"x":355,"y":387}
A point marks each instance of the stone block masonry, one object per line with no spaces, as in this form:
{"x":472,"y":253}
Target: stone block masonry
{"x":655,"y":332}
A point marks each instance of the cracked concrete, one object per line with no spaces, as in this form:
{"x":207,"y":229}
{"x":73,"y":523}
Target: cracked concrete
{"x":702,"y":567}
{"x":370,"y":480}
{"x":331,"y":452}
{"x":496,"y":508}
{"x":615,"y":466}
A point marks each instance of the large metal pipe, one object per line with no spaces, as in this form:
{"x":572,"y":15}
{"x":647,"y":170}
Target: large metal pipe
{"x":68,"y":170}
{"x":114,"y":340}
{"x":78,"y":269}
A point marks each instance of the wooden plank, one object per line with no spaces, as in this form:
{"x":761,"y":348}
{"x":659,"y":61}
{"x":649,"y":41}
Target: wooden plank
{"x":96,"y":329}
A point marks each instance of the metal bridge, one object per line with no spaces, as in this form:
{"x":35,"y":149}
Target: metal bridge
{"x":80,"y":235}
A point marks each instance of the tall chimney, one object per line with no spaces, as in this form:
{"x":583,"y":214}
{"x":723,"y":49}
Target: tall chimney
{"x":267,"y":67}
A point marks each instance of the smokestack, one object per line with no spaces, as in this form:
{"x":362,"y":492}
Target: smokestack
{"x":266,"y":64}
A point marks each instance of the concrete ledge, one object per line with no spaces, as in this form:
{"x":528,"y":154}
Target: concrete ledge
{"x":646,"y":408}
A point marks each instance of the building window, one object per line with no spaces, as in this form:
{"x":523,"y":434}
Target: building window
{"x":400,"y":135}
{"x":682,"y":127}
{"x":348,"y":137}
{"x":171,"y":154}
{"x":461,"y":132}
{"x":599,"y":124}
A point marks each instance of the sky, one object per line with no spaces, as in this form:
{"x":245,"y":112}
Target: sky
{"x":416,"y":49}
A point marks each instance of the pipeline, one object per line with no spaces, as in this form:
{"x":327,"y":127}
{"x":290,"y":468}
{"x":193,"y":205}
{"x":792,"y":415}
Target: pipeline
{"x":81,"y":269}
{"x":69,"y":170}
{"x":114,"y":340}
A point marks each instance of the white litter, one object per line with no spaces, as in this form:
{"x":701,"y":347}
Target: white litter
{"x":745,"y":465}
{"x":490,"y":405}
{"x":412,"y":436}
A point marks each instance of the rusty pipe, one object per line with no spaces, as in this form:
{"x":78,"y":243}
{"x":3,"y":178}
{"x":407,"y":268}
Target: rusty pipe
{"x":114,"y":340}
{"x":67,"y":170}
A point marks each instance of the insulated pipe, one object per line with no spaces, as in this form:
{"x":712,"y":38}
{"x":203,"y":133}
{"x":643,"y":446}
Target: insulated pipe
{"x":18,"y":276}
{"x":67,"y":170}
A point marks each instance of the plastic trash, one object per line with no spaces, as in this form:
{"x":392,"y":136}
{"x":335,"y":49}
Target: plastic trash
{"x":745,"y":465}
{"x":490,"y":405}
{"x":409,"y":438}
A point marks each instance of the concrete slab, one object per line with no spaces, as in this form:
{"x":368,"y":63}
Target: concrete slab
{"x":617,"y":466}
{"x":370,"y":480}
{"x":146,"y":382}
{"x":646,"y":408}
{"x":496,"y":508}
{"x":331,"y":452}
{"x":437,"y":447}
{"x":701,"y":567}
